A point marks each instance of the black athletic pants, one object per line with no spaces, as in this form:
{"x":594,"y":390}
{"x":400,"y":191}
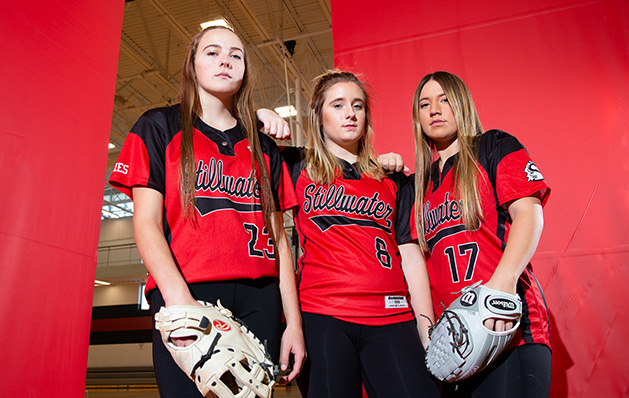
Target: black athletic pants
{"x":256,"y":302}
{"x":522,"y":372}
{"x":342,"y":357}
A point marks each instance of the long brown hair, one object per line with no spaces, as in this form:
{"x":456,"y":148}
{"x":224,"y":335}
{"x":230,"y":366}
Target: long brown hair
{"x":243,"y":110}
{"x":465,"y":167}
{"x":322,"y":166}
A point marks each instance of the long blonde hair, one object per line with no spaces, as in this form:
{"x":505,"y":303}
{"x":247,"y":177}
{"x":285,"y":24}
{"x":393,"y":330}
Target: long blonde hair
{"x":465,"y":167}
{"x":322,"y":166}
{"x":243,"y":110}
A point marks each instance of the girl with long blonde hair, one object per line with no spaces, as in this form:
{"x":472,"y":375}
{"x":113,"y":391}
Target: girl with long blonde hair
{"x":363,"y":286}
{"x":479,"y":218}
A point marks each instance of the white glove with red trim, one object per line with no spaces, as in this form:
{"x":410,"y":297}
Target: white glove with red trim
{"x":226,"y":360}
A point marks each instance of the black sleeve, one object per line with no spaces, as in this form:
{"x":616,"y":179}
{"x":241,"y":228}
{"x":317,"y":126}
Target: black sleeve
{"x":156,"y":128}
{"x":270,"y":149}
{"x":405,"y":200}
{"x":294,"y":159}
{"x":493,"y":146}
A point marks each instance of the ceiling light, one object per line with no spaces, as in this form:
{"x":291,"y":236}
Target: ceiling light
{"x":111,"y":146}
{"x":101,"y":283}
{"x":110,"y":214}
{"x":286,"y":111}
{"x":216,"y":22}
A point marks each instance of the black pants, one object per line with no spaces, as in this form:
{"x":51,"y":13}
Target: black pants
{"x":522,"y":372}
{"x":343,"y":357}
{"x":256,"y":302}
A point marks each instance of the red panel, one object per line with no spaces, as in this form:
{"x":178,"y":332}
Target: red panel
{"x":555,"y":74}
{"x":59,"y":74}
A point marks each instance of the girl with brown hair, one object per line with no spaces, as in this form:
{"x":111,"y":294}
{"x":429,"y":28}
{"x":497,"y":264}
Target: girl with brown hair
{"x":209,"y":191}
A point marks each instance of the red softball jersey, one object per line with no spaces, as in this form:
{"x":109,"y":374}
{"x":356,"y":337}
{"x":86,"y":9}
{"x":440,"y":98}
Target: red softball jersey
{"x":457,"y":257}
{"x":350,"y":268}
{"x":229,"y":240}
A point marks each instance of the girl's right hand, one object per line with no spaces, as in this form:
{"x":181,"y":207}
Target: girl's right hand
{"x":393,"y":162}
{"x":274,"y":125}
{"x":186,"y":299}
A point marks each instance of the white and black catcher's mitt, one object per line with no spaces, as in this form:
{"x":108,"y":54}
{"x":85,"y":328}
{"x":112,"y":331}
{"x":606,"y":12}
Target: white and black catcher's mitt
{"x":226,"y":360}
{"x":460,"y":345}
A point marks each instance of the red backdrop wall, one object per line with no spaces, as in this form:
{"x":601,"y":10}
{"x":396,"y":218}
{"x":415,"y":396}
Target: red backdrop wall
{"x":58,"y":73}
{"x":555,"y":73}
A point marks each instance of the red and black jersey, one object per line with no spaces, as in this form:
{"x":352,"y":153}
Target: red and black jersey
{"x":229,"y":240}
{"x":457,"y":257}
{"x":350,"y":267}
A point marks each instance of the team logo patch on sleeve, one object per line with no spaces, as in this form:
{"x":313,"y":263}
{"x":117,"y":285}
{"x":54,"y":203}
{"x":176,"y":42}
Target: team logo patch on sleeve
{"x":121,"y":168}
{"x":532,"y":172}
{"x":395,"y":302}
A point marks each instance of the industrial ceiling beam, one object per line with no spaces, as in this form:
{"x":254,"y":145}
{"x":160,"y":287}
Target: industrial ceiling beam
{"x":127,"y":48}
{"x":293,"y":14}
{"x":326,"y":10}
{"x":279,"y":51}
{"x":177,"y":26}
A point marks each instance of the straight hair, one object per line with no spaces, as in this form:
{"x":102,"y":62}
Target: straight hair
{"x":321,"y":165}
{"x":243,"y":110}
{"x":466,"y":168}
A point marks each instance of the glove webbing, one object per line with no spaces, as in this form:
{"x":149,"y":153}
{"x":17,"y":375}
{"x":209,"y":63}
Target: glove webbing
{"x":206,"y":357}
{"x":270,"y":370}
{"x":459,"y":334}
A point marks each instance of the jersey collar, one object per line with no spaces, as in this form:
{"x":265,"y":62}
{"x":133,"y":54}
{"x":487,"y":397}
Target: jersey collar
{"x":437,"y":176}
{"x":350,"y":171}
{"x":224,"y":140}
